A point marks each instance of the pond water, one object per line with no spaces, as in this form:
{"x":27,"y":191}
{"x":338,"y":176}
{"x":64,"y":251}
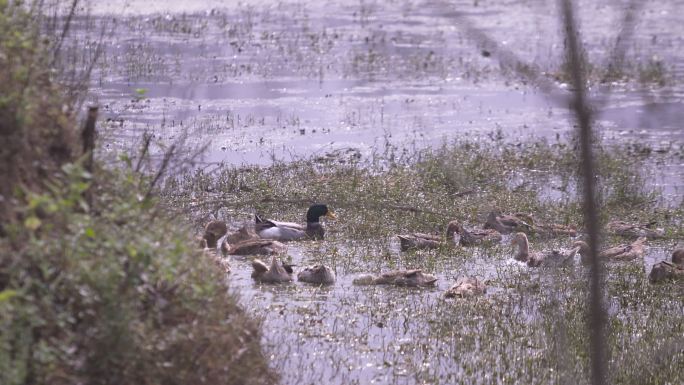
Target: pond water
{"x":264,"y":81}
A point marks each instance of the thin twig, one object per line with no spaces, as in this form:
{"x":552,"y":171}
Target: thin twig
{"x":597,"y":319}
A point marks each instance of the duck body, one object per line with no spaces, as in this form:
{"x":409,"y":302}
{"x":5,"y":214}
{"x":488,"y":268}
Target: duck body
{"x":290,"y":231}
{"x":412,"y":278}
{"x":254,"y":247}
{"x":466,"y":287}
{"x":317,"y":274}
{"x":625,"y":252}
{"x":417,"y":241}
{"x":634,"y":230}
{"x":275,"y":273}
{"x":506,"y":224}
{"x":472,"y":237}
{"x":669,"y":271}
{"x":552,"y":258}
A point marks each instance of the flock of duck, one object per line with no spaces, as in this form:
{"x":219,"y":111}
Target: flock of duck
{"x":268,"y":237}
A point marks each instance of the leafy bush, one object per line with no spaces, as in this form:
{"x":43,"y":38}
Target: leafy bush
{"x":98,"y":283}
{"x":89,"y":297}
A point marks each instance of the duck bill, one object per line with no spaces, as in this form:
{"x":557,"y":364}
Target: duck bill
{"x":331,"y":215}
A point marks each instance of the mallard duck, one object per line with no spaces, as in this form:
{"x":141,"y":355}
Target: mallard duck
{"x":289,"y":231}
{"x":276,"y":273}
{"x":254,"y":247}
{"x":397,"y":277}
{"x":624,"y":252}
{"x":317,"y":274}
{"x":466,"y":287}
{"x":419,"y":241}
{"x":634,"y":230}
{"x":506,"y":224}
{"x":473,"y":236}
{"x":213,"y":231}
{"x":553,"y":258}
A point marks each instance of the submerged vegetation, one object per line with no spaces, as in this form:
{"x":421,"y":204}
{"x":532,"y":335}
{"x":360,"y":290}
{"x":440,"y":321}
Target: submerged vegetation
{"x":530,"y":327}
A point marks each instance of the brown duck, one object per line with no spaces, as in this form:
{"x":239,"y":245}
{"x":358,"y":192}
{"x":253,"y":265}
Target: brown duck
{"x":412,"y":278}
{"x":275,"y":273}
{"x":472,"y":237}
{"x":634,"y":230}
{"x":624,"y":252}
{"x":669,"y":271}
{"x":552,"y":258}
{"x":466,"y":287}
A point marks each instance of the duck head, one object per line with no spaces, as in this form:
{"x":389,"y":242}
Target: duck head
{"x":213,"y":231}
{"x":317,"y":211}
{"x":520,"y":240}
{"x":453,"y":228}
{"x":583,"y":250}
{"x":314,"y":229}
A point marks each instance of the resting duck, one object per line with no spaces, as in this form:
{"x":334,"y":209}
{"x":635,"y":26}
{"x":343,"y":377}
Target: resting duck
{"x":317,"y":274}
{"x":506,"y":224}
{"x":213,"y":231}
{"x":624,"y":252}
{"x":669,"y":271}
{"x":634,"y":230}
{"x":553,"y":258}
{"x":276,"y":273}
{"x":288,"y":231}
{"x":397,"y":277}
{"x":253,"y":247}
{"x":419,"y":241}
{"x":472,"y":237}
{"x":244,"y":233}
{"x":466,"y":287}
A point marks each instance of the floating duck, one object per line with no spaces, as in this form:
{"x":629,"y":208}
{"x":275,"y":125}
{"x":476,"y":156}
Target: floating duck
{"x":473,"y":236}
{"x":276,"y":273}
{"x":397,"y":277}
{"x":553,"y":258}
{"x":254,"y":247}
{"x":419,"y":241}
{"x":466,"y":287}
{"x":669,"y":271}
{"x":245,"y":232}
{"x":624,"y":252}
{"x":289,"y":231}
{"x":634,"y":230}
{"x":317,"y":274}
{"x":506,"y":224}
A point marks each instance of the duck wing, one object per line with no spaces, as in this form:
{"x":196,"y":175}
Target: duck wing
{"x":280,"y":231}
{"x":256,"y":247}
{"x":419,"y":241}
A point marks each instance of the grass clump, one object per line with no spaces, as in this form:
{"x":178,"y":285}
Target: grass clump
{"x":98,"y":283}
{"x":462,"y":180}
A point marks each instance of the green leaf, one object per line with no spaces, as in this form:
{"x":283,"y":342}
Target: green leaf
{"x":32,"y":223}
{"x":7,"y":294}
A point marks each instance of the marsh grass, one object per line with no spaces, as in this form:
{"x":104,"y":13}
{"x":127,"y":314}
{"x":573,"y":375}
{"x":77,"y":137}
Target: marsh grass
{"x":529,"y":328}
